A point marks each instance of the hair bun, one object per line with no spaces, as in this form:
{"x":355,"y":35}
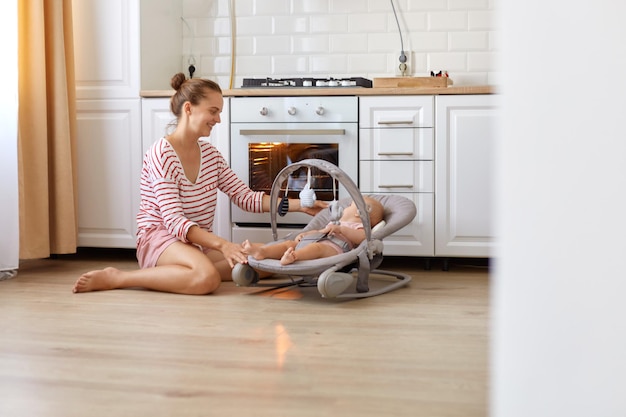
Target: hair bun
{"x":178,"y":80}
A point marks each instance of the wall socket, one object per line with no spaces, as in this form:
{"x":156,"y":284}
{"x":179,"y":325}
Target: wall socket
{"x":403,"y":69}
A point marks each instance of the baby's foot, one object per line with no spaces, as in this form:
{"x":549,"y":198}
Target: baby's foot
{"x":104,"y":279}
{"x":289,"y":257}
{"x":253,"y":249}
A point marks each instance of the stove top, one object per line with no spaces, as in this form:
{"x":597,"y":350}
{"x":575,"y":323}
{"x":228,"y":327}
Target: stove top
{"x":306,"y":82}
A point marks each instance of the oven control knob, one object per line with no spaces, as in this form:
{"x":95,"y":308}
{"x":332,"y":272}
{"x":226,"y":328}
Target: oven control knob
{"x":319,"y":111}
{"x":264,"y":111}
{"x":291,"y":110}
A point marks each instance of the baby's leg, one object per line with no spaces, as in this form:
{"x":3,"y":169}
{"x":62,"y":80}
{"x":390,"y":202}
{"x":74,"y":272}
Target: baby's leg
{"x":288,"y":257}
{"x":313,"y":250}
{"x":262,"y":251}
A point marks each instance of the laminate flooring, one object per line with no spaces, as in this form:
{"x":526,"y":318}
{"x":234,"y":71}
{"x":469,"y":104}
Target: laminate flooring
{"x":421,"y":350}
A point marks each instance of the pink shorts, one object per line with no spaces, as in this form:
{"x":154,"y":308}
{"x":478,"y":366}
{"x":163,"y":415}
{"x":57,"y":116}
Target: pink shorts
{"x":153,"y":243}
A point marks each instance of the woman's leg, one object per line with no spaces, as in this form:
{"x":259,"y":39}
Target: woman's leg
{"x":181,"y":269}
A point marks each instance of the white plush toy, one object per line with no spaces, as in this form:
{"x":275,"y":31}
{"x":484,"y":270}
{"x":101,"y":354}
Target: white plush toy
{"x":307,"y":195}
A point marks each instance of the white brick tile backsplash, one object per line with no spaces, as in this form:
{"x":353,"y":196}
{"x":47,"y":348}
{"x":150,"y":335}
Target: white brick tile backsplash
{"x":447,"y":21}
{"x":271,"y":45}
{"x":428,"y":41}
{"x":254,"y":25}
{"x":290,"y":65}
{"x":467,"y":4}
{"x":347,"y":6}
{"x":480,"y":61}
{"x":450,"y":61}
{"x":483,"y":20}
{"x":361,"y":64}
{"x":306,"y":7}
{"x":468,"y":41}
{"x":329,"y":24}
{"x":328,"y":65}
{"x":270,"y":8}
{"x":364,"y":23}
{"x":287,"y":25}
{"x":281,"y":38}
{"x":348,"y":43}
{"x":427,"y":5}
{"x":384,"y":42}
{"x":311,"y":44}
{"x":414,"y":22}
{"x":222,"y":27}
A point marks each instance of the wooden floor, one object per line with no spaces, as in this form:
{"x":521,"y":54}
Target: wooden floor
{"x":421,"y":350}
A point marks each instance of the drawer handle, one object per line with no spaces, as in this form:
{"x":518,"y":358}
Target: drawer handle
{"x":396,"y":186}
{"x":395,"y":153}
{"x":395,"y":122}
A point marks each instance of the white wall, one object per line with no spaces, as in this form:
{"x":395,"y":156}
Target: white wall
{"x":559,"y":288}
{"x":281,"y":38}
{"x":161,"y":48}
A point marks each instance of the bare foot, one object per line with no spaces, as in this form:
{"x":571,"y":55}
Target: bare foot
{"x":289,"y":257}
{"x":254,"y":249}
{"x":104,"y":279}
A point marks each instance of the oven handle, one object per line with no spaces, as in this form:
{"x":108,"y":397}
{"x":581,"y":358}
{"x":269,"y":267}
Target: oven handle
{"x":321,"y":132}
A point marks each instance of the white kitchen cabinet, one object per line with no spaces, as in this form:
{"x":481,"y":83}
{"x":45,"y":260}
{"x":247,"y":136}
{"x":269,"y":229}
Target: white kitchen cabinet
{"x":465,"y":137}
{"x":106,"y":50}
{"x":396,"y":157}
{"x":157,"y":121}
{"x":109,"y":155}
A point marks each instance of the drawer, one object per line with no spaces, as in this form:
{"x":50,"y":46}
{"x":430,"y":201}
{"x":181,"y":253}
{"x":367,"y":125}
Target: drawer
{"x":389,"y":112}
{"x":396,"y":144}
{"x":396,"y":176}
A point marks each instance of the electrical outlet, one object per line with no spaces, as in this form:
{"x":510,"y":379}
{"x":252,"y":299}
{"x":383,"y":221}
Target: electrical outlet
{"x":403,"y":69}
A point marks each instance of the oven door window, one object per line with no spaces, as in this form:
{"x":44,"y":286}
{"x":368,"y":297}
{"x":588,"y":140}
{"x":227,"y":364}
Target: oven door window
{"x":267,"y":159}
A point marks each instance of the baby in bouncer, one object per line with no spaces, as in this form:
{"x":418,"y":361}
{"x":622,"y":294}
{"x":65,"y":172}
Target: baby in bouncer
{"x":335,"y":238}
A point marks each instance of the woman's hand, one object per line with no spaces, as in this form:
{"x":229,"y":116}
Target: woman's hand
{"x":234,"y":253}
{"x":317,"y":207}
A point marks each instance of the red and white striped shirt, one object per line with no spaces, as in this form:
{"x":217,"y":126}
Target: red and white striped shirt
{"x":168,"y":198}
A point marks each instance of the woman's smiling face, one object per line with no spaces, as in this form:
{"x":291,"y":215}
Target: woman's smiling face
{"x":206,"y":114}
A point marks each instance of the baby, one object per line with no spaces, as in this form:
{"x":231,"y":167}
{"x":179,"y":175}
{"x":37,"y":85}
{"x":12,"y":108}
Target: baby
{"x":335,"y":239}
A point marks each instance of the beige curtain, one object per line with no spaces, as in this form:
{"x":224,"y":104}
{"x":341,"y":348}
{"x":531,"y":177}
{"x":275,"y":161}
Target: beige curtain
{"x":47,"y":126}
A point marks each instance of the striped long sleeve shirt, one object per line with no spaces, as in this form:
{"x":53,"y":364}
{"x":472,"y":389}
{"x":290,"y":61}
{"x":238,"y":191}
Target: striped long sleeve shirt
{"x":168,"y":198}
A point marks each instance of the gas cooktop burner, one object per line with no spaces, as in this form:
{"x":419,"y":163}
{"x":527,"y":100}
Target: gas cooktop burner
{"x":307,"y":82}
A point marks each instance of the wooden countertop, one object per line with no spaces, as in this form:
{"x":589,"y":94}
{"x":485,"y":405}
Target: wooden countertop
{"x":336,"y":91}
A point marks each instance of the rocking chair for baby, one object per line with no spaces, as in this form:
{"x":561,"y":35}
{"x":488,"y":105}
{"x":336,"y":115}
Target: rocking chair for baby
{"x":334,"y":275}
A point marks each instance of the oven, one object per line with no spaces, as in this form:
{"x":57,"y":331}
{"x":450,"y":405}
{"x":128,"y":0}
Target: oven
{"x":269,"y":133}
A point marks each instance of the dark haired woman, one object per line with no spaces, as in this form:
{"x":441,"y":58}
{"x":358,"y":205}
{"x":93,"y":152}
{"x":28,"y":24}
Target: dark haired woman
{"x":176,"y":250}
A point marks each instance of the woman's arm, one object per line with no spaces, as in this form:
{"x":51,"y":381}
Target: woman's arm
{"x":232,"y":252}
{"x":295,"y":206}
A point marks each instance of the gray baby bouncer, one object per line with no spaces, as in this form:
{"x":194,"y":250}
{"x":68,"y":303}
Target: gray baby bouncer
{"x":334,"y":276}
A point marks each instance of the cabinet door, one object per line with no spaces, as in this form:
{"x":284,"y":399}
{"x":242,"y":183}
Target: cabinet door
{"x":106,"y":48}
{"x":465,"y":140}
{"x":109,"y":166}
{"x":416,"y":238}
{"x":156,"y":121}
